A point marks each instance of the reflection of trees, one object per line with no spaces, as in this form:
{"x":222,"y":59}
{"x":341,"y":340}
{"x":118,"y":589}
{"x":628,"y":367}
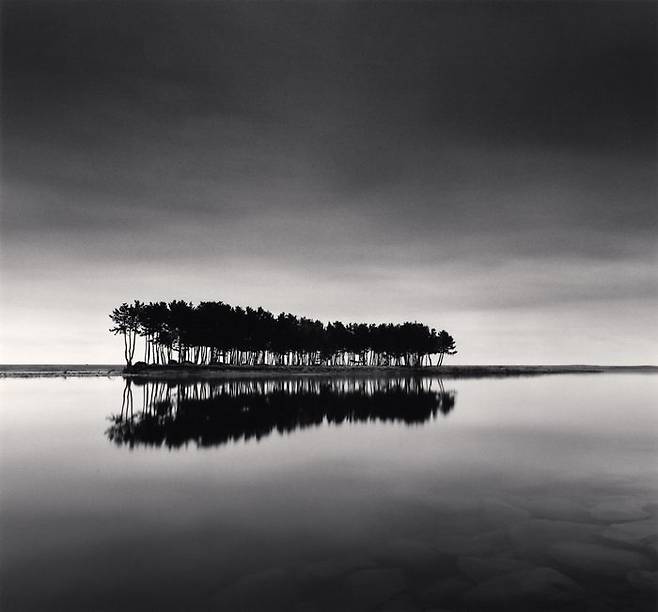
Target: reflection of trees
{"x":212,"y":413}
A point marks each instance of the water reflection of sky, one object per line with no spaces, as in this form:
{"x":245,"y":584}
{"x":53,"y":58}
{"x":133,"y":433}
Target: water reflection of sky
{"x":532,"y":491}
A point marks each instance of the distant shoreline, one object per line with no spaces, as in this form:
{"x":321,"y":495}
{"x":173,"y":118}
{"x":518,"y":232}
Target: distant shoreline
{"x":222,"y":372}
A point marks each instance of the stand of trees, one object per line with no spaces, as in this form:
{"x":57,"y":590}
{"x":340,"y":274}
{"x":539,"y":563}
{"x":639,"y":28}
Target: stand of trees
{"x":214,"y":333}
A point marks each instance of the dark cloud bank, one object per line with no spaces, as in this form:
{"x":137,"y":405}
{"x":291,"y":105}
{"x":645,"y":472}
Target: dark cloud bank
{"x":487,"y":167}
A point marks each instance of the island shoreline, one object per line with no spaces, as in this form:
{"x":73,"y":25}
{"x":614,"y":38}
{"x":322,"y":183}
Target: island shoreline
{"x":177,"y":372}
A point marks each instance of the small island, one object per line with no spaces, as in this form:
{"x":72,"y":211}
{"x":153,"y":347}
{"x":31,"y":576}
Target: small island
{"x":181,"y":335}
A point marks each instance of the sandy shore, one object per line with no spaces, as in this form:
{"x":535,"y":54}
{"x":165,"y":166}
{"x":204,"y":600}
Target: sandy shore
{"x":176,"y":372}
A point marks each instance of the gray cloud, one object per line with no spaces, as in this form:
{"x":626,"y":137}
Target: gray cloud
{"x":377,"y":160}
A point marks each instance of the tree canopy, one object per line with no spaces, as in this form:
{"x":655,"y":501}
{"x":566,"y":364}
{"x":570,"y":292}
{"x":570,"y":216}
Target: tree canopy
{"x":215,"y":333}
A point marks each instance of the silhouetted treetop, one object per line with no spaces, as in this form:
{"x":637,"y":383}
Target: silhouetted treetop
{"x":216,"y":333}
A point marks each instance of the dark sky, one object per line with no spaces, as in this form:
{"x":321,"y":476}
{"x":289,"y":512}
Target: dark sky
{"x":486,"y":167}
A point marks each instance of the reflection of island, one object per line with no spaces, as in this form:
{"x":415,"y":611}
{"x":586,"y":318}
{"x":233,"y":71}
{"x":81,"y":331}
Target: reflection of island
{"x":213,"y":413}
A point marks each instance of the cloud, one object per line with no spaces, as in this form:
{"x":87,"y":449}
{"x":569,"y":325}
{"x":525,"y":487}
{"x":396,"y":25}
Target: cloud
{"x":449,"y":161}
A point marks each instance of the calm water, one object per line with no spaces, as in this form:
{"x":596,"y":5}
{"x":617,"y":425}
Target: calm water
{"x":511,"y":494}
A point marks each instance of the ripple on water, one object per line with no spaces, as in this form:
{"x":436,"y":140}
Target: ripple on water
{"x":531,"y":539}
{"x":643,"y":580}
{"x":597,"y":559}
{"x":555,"y":508}
{"x":539,"y":585}
{"x":619,"y":509}
{"x":634,"y":533}
{"x":368,"y":588}
{"x":482,"y":569}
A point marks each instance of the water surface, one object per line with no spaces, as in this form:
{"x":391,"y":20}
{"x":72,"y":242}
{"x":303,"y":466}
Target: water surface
{"x":329,"y":494}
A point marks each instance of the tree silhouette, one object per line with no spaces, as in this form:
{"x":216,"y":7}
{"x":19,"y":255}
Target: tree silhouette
{"x":126,"y":323}
{"x":445,"y":345}
{"x":217,"y":334}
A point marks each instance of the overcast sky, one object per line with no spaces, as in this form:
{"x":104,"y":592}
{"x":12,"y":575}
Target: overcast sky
{"x":487,"y":168}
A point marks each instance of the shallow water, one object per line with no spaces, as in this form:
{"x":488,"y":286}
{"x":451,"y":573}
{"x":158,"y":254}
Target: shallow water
{"x":511,"y":494}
